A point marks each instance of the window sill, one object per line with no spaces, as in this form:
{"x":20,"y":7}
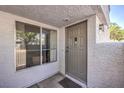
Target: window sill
{"x":33,"y":67}
{"x":49,"y":62}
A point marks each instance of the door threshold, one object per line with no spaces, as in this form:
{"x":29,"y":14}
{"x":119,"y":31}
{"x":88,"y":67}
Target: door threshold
{"x":83,"y":85}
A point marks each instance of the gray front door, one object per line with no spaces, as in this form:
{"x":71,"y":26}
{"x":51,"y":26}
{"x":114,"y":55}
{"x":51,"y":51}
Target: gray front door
{"x":76,"y":51}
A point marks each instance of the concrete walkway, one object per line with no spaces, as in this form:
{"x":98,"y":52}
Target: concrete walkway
{"x":51,"y":82}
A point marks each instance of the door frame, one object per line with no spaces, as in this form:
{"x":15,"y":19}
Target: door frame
{"x":66,"y":65}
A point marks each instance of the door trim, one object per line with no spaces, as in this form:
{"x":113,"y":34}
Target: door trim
{"x":86,"y":49}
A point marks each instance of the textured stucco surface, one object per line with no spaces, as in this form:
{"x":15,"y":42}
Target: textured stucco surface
{"x":51,"y":14}
{"x":106,"y":11}
{"x":62,"y":50}
{"x":9,"y":77}
{"x":101,"y":35}
{"x":105,"y":59}
{"x":107,"y":67}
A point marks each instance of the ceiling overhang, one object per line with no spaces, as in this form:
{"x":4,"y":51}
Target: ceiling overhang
{"x":56,"y":15}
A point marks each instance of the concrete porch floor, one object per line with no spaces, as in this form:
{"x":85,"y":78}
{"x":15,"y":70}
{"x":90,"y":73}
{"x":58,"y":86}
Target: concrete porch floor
{"x":51,"y":82}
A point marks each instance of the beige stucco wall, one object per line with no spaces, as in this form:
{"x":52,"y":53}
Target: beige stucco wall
{"x":106,"y":10}
{"x":106,"y":65}
{"x":62,"y":50}
{"x":101,"y":35}
{"x":9,"y":77}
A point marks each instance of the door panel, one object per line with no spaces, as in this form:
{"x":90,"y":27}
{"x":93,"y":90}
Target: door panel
{"x":76,"y":51}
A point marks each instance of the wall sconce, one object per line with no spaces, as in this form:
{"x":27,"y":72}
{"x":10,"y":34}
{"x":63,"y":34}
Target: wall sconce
{"x":101,"y":27}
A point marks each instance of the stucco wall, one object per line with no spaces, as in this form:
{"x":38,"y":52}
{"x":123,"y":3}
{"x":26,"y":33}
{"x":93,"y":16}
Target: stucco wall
{"x":9,"y":77}
{"x":107,"y":69}
{"x":62,"y":50}
{"x":106,"y":11}
{"x":101,"y":35}
{"x":106,"y":65}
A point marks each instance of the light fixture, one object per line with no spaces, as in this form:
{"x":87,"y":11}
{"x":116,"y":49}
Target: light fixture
{"x":101,"y":27}
{"x":66,"y":20}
